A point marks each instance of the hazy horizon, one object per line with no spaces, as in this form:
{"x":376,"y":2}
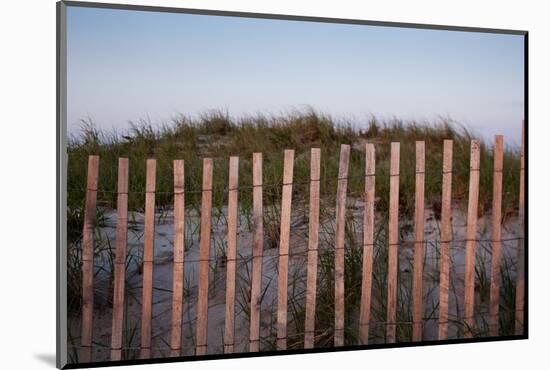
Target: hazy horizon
{"x":128,"y":65}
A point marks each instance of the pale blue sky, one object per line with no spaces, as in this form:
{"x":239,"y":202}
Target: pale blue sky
{"x":125,"y":65}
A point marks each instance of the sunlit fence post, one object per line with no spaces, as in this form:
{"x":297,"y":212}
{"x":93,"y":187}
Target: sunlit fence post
{"x":393,"y":240}
{"x":470,"y":259}
{"x":313,"y":244}
{"x":148,"y":256}
{"x":368,"y":244}
{"x":339,"y":252}
{"x":120,"y":259}
{"x":232,"y":217}
{"x":419,"y":217}
{"x":257,"y":252}
{"x":204,"y":256}
{"x":284,"y":240}
{"x":446,"y":239}
{"x":520,"y":283}
{"x":179,"y":256}
{"x":496,"y":236}
{"x":88,"y":259}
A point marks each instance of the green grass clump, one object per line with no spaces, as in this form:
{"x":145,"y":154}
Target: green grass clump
{"x":218,"y":135}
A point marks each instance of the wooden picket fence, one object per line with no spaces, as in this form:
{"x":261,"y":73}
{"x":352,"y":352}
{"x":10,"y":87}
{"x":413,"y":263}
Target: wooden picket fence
{"x":312,"y":253}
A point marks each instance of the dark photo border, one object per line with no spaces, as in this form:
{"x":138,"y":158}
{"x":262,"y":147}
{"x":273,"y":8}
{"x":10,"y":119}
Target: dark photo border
{"x":61,"y":171}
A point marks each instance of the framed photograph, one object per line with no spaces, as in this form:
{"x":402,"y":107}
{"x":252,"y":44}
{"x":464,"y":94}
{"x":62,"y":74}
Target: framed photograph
{"x":234,"y":184}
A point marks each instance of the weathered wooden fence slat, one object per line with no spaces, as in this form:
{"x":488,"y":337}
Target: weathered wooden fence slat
{"x":520,"y":283}
{"x":418,"y":308}
{"x":88,"y":259}
{"x":496,"y":235}
{"x":446,"y":238}
{"x":120,"y":259}
{"x":232,"y":219}
{"x":368,"y":244}
{"x":257,"y":252}
{"x":148,"y":256}
{"x":313,"y":242}
{"x":339,"y":252}
{"x":471,"y":231}
{"x":204,"y":256}
{"x":284,"y":240}
{"x":393,"y":240}
{"x":179,"y":255}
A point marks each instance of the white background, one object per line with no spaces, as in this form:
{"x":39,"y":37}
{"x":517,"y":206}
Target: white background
{"x":27,"y":181}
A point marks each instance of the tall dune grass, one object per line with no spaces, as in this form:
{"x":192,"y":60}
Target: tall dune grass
{"x":218,"y":135}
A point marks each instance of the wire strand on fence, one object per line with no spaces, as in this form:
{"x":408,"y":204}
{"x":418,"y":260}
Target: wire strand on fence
{"x":278,"y":184}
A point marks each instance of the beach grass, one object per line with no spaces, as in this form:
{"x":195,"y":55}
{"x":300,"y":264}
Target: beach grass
{"x":216,"y":134}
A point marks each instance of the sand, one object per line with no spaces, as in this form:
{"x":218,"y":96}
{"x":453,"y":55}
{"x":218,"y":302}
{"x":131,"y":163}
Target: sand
{"x":216,"y":315}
